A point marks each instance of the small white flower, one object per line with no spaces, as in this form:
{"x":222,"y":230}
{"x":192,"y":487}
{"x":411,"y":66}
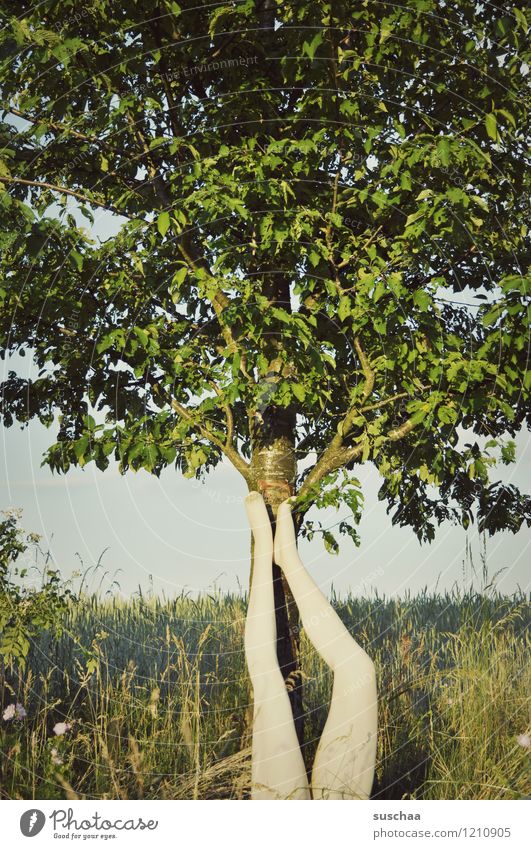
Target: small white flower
{"x":9,"y":712}
{"x":55,"y":757}
{"x":61,"y":728}
{"x":524,"y":740}
{"x":20,"y":711}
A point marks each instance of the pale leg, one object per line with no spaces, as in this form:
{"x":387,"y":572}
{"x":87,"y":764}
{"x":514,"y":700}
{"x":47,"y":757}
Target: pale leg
{"x":346,"y":755}
{"x":278,"y":770}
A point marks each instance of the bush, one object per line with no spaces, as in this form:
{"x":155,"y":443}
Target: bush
{"x":26,"y":611}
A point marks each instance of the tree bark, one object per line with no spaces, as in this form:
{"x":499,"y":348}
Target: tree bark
{"x":273,"y":473}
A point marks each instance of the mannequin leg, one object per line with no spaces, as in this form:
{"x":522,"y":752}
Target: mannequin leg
{"x":345,"y":758}
{"x":278,"y":770}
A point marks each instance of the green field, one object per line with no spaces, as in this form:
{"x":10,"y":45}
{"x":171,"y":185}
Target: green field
{"x":157,"y":697}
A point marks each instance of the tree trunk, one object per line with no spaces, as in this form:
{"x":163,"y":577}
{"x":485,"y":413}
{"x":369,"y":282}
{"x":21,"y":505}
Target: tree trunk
{"x":273,"y":473}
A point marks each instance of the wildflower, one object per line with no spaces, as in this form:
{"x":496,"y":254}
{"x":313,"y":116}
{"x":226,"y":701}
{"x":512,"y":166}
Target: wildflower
{"x":524,"y":740}
{"x":13,"y":513}
{"x":55,"y":757}
{"x":9,"y":712}
{"x":14,"y":712}
{"x":61,"y":728}
{"x":34,"y":538}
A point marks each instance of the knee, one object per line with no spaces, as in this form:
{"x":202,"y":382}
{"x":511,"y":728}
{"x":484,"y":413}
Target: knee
{"x":266,"y":683}
{"x":359,"y":672}
{"x":262,"y":662}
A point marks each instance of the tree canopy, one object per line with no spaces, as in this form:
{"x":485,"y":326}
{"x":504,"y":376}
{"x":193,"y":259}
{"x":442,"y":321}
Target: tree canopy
{"x":323,"y":210}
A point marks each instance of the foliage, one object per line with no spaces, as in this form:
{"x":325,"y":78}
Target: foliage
{"x":164,"y":712}
{"x":26,"y":611}
{"x":305,"y":191}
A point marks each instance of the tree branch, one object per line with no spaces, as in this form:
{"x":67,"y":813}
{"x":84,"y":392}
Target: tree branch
{"x":177,"y":130}
{"x":366,"y":244}
{"x":138,"y":189}
{"x":328,"y":461}
{"x":154,"y":174}
{"x":229,"y":442}
{"x":62,"y":128}
{"x":228,"y":449}
{"x":332,"y":460}
{"x":330,"y":228}
{"x":366,"y":368}
{"x":219,"y":302}
{"x":399,"y":432}
{"x":386,"y":401}
{"x":303,"y":444}
{"x":63,"y":190}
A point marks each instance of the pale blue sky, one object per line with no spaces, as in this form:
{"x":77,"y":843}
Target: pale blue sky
{"x":192,"y":536}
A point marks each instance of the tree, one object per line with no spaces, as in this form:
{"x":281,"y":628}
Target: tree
{"x":306,"y":189}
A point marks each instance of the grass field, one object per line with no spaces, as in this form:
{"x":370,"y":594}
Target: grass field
{"x":155,"y":699}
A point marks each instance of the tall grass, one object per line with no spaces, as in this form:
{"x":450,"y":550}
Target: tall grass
{"x":157,"y":697}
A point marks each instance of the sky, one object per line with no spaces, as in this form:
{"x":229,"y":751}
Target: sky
{"x":177,"y":535}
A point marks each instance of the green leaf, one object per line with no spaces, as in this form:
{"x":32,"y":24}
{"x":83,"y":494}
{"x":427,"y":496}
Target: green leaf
{"x":480,"y":202}
{"x":443,"y":150}
{"x":299,"y":391}
{"x":508,"y":452}
{"x":414,"y":216}
{"x":163,"y":222}
{"x":80,"y":446}
{"x":77,"y":259}
{"x":405,"y":181}
{"x":142,"y":335}
{"x":235,"y":366}
{"x":330,"y":542}
{"x":344,"y":307}
{"x":309,"y":47}
{"x":179,"y":276}
{"x":379,"y":291}
{"x":491,"y":126}
{"x":420,"y":414}
{"x":421,"y":299}
{"x":447,"y":415}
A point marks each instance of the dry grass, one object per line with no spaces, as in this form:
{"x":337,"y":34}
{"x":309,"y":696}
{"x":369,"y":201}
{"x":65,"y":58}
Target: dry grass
{"x":157,"y":696}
